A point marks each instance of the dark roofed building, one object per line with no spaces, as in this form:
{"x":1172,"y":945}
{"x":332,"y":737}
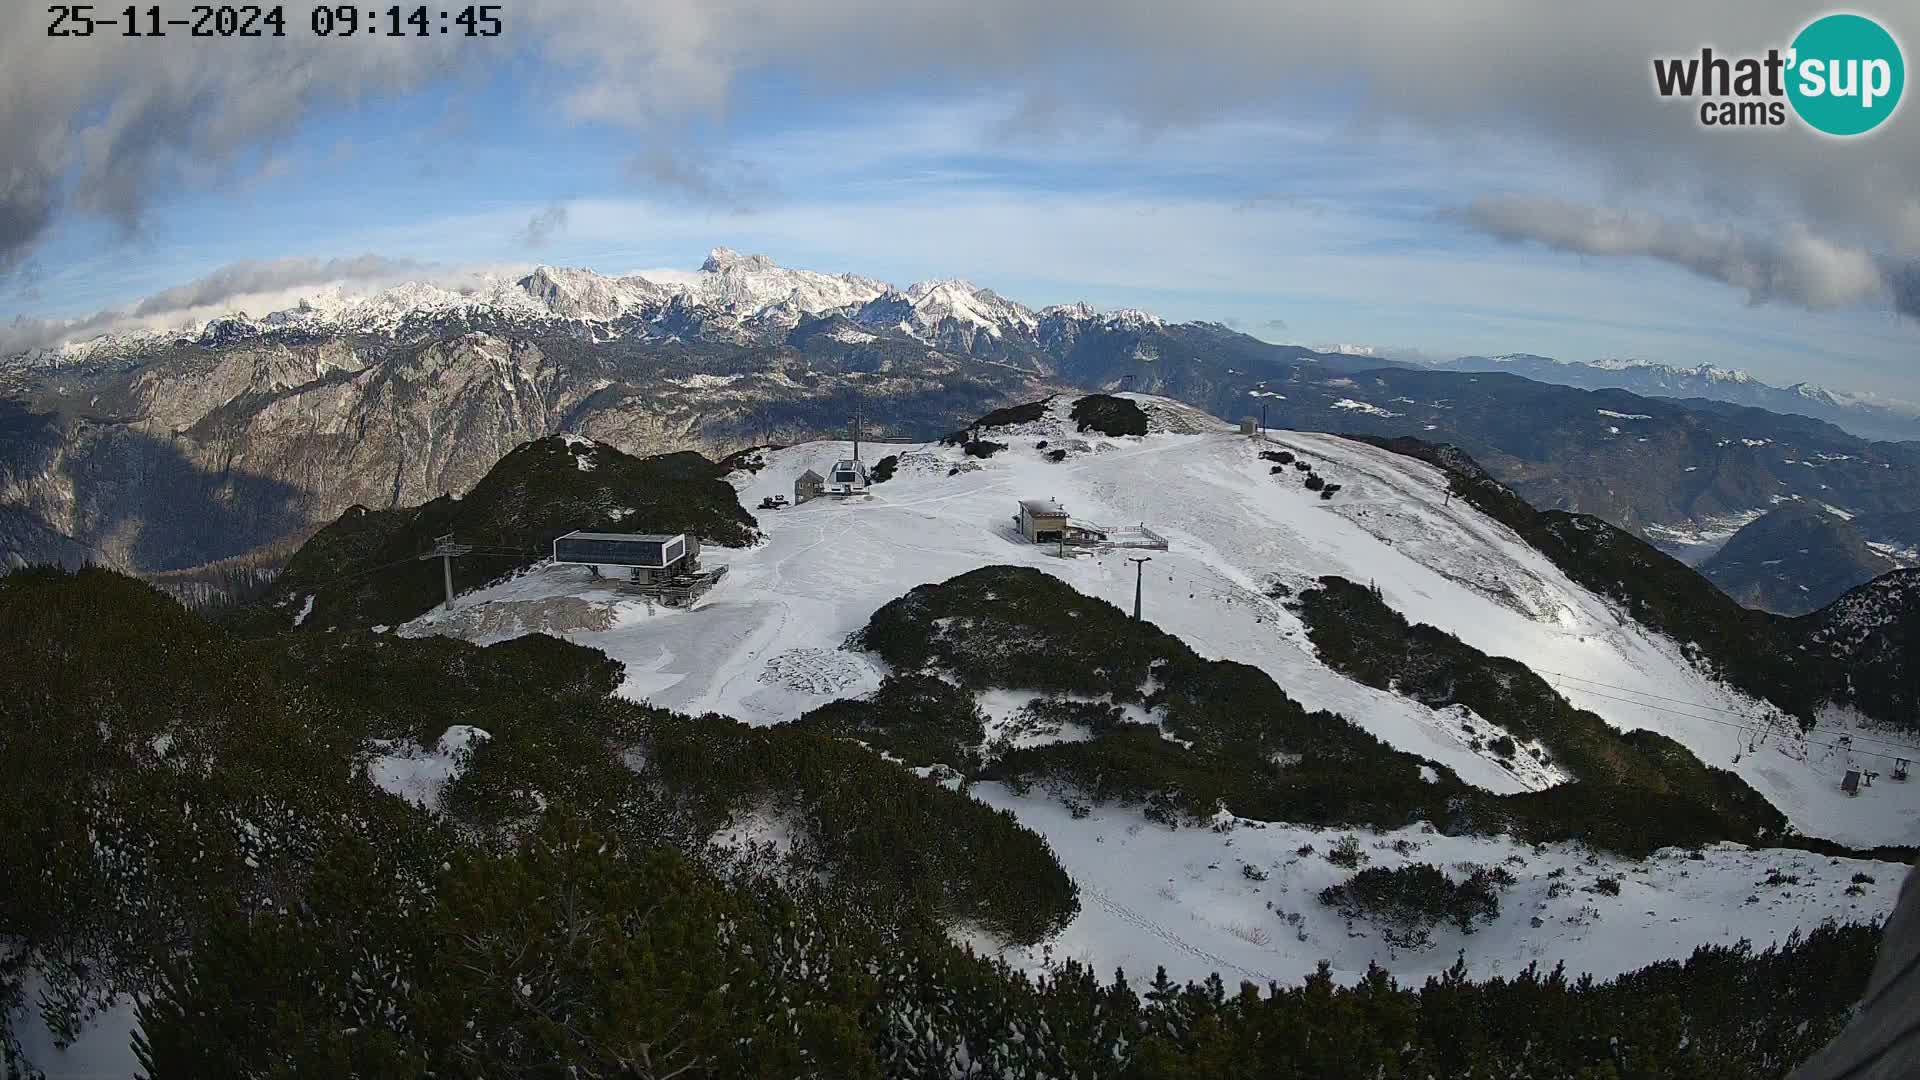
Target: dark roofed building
{"x":809,"y":485}
{"x":1042,"y":521}
{"x":656,"y":551}
{"x":649,"y":556}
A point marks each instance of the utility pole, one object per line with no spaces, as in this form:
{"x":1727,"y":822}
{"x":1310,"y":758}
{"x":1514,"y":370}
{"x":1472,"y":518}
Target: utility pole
{"x":1263,"y":418}
{"x":445,"y":550}
{"x":1139,"y":568}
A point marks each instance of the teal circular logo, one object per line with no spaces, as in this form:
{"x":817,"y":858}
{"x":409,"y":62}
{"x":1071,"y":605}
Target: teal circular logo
{"x":1847,"y":74}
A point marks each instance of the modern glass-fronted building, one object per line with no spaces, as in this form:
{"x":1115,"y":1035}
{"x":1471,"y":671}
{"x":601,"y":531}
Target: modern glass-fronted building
{"x":654,"y":551}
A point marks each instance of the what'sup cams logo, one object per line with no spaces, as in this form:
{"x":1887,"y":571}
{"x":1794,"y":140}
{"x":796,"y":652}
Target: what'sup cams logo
{"x":1842,"y":76}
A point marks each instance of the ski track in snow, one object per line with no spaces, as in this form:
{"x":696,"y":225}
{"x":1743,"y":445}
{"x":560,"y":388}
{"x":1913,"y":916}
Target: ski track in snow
{"x":759,"y":645}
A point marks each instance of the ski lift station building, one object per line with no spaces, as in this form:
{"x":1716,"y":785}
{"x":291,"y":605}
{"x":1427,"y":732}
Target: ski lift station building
{"x":647,"y":554}
{"x":848,"y":477}
{"x":1042,"y":521}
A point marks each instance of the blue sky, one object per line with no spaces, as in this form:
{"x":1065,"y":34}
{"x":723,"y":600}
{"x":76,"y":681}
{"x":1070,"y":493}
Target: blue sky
{"x":1303,"y":212}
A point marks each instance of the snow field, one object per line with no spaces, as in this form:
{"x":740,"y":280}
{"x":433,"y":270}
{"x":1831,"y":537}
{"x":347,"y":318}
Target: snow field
{"x":419,"y":775}
{"x":768,"y":644}
{"x":1151,"y":895}
{"x":1235,"y":531}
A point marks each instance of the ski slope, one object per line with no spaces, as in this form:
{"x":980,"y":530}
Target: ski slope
{"x":767,"y":644}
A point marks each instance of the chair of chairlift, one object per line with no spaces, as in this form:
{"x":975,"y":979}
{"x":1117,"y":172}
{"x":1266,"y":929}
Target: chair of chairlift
{"x":1900,"y":769}
{"x":1851,"y":782}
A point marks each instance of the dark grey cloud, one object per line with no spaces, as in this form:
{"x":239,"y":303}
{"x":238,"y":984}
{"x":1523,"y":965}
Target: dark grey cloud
{"x":106,"y":125}
{"x":1274,"y":324}
{"x":1792,"y":266}
{"x":1903,"y":282}
{"x":727,"y":183}
{"x":542,"y":227}
{"x":27,"y":204}
{"x":24,"y":334}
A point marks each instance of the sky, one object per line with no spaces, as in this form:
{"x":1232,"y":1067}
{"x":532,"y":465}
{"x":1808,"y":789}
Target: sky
{"x":1447,"y":177}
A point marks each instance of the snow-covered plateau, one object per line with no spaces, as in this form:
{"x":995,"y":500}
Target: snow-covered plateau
{"x":769,"y":643}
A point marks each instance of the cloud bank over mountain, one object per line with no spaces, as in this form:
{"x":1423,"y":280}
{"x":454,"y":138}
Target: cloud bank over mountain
{"x":263,"y":283}
{"x":1798,"y":266}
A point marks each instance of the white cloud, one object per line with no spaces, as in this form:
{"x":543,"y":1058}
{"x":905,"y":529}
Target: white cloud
{"x":258,"y":286}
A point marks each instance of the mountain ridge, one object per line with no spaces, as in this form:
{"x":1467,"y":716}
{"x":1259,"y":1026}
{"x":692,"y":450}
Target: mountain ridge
{"x":735,"y":296}
{"x":1869,"y":416}
{"x":1795,"y":559}
{"x":731,"y":294}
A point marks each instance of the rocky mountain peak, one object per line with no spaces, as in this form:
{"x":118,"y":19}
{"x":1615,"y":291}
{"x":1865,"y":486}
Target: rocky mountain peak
{"x":920,"y":290}
{"x":583,"y":294}
{"x":1079,"y":309}
{"x":1134,"y":318}
{"x":722,"y":259}
{"x":1814,"y":392}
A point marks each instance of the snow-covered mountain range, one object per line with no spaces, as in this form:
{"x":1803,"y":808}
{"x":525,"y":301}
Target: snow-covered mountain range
{"x":741,"y":299}
{"x":730,"y":298}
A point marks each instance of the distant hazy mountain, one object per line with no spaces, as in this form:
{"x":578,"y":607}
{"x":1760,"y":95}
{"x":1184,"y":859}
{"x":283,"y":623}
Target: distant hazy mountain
{"x":1684,"y":474}
{"x":1794,"y":559}
{"x":1865,"y":415}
